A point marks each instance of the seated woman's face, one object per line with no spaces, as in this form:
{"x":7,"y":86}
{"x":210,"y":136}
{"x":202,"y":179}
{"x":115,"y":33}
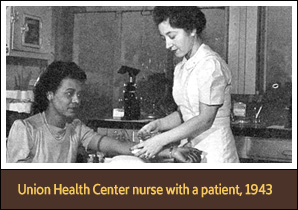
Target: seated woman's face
{"x":66,"y":100}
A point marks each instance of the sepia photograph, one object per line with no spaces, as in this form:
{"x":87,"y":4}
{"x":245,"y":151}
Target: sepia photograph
{"x":140,"y":84}
{"x":149,"y":105}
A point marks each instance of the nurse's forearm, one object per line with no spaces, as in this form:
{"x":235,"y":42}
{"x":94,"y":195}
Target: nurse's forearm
{"x":171,"y":121}
{"x":192,"y":127}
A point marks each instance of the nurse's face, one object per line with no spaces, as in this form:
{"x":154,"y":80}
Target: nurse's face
{"x":177,"y":39}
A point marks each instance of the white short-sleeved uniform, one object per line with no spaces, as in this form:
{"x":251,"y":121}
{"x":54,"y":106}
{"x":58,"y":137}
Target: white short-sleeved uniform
{"x":33,"y":141}
{"x":206,"y":78}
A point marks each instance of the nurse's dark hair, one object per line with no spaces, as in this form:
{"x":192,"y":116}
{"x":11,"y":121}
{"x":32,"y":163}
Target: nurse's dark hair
{"x":187,"y":18}
{"x":50,"y":80}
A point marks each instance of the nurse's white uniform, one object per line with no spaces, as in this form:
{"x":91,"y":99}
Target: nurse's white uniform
{"x":206,"y":78}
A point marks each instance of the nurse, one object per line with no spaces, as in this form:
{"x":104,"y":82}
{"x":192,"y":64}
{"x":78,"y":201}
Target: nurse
{"x":202,"y":85}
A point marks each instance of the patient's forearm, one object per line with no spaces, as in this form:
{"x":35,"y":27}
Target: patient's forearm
{"x":112,"y":147}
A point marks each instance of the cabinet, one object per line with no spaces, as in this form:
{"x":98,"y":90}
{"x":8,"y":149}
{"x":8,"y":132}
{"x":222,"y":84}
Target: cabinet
{"x":262,"y":149}
{"x":29,"y":32}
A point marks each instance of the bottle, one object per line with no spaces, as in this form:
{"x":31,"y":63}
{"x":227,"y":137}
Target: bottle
{"x":131,"y":101}
{"x":118,"y":111}
{"x":256,"y":113}
{"x":90,"y":158}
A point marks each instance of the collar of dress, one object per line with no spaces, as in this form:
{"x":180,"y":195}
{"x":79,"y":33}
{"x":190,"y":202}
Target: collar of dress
{"x":192,"y":62}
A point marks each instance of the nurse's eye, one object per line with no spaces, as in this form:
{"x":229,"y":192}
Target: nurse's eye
{"x":172,"y":36}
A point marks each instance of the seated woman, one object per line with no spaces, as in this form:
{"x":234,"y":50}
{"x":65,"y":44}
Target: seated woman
{"x":54,"y":134}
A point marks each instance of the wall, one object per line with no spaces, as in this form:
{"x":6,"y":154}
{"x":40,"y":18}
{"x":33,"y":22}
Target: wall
{"x":95,"y":45}
{"x":106,"y":40}
{"x":22,"y":66}
{"x":242,"y":52}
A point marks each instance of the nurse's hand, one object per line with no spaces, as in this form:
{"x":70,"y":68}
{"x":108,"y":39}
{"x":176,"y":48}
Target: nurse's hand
{"x":148,"y":130}
{"x":149,"y":148}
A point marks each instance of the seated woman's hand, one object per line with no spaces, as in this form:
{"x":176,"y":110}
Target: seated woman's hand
{"x":186,"y":155}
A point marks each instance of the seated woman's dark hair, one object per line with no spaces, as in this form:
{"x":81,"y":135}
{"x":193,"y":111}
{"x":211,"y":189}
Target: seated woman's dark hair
{"x":187,"y":18}
{"x":51,"y":79}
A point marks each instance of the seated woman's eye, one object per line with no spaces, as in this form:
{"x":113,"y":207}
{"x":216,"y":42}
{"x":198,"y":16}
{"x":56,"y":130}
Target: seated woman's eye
{"x":69,"y":94}
{"x":80,"y":95}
